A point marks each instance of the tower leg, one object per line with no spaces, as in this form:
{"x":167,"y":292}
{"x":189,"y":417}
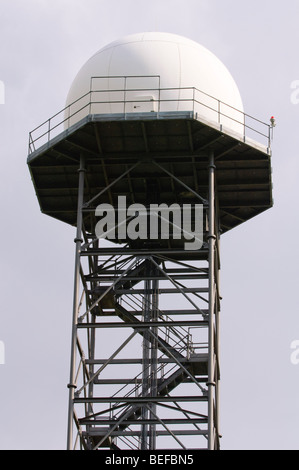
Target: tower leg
{"x":78,"y":240}
{"x":213,"y":369}
{"x":150,"y":358}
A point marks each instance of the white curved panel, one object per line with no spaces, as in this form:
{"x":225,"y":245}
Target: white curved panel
{"x":159,"y":60}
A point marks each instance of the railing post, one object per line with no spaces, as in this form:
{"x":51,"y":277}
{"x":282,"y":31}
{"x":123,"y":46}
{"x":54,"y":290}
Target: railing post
{"x":49,"y":129}
{"x":125,"y":94}
{"x":193,"y":97}
{"x":90,"y":98}
{"x":159,"y":99}
{"x":30,"y":143}
{"x":159,"y":95}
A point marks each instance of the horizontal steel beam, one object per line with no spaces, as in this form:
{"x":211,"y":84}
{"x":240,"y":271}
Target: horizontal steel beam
{"x":179,"y":277}
{"x":167,"y":313}
{"x":142,"y":252}
{"x":130,"y":422}
{"x":144,"y":325}
{"x":201,"y":379}
{"x":138,"y":400}
{"x":176,"y":432}
{"x":189,"y":270}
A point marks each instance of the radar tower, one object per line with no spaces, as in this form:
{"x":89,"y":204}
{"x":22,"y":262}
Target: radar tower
{"x":153,"y":126}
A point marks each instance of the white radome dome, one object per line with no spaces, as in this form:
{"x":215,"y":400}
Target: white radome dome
{"x":152,"y":62}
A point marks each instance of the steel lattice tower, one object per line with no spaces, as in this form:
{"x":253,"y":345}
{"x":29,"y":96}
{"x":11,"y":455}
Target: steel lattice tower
{"x":145,"y":334}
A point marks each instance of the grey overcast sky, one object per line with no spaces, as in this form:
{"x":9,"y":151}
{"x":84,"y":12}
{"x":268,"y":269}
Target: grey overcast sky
{"x":43,"y":43}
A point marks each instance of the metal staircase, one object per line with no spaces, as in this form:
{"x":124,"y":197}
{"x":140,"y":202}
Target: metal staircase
{"x":162,"y":393}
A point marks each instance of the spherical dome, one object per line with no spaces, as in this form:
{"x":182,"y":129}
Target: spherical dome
{"x":156,"y":72}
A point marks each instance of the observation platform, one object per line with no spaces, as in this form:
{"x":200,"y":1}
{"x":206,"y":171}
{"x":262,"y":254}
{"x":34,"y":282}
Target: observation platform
{"x":158,"y":145}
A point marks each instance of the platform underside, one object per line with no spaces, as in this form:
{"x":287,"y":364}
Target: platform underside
{"x":168,"y":152}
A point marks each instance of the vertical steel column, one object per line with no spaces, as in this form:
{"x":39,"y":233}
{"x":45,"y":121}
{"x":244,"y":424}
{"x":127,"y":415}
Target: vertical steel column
{"x":146,"y":362}
{"x":150,"y":358}
{"x":211,"y":364}
{"x":154,"y":358}
{"x":78,"y":240}
{"x":217,"y":325}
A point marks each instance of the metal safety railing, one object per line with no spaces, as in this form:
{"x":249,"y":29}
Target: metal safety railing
{"x":128,"y":99}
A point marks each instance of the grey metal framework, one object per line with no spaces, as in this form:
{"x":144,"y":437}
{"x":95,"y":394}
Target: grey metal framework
{"x":145,"y":333}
